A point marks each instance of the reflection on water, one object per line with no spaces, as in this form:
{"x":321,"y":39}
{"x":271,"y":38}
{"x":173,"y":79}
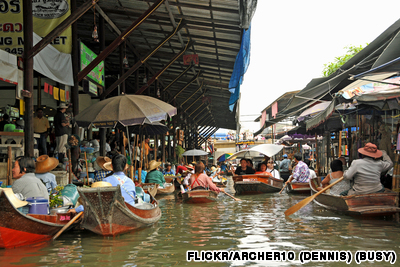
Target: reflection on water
{"x":256,"y":223}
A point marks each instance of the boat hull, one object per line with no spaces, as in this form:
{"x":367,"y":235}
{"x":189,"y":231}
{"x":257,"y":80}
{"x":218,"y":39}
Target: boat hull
{"x":199,"y":196}
{"x":166,"y":191}
{"x":298,"y":188}
{"x":366,"y":205}
{"x":18,"y":229}
{"x":256,"y":184}
{"x":150,"y":188}
{"x":107,"y":214}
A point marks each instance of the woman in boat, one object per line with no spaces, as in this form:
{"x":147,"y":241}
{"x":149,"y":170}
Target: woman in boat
{"x":168,"y":169}
{"x":26,"y":183}
{"x":262,"y":169}
{"x":366,"y":172}
{"x":271,"y":169}
{"x":336,"y":173}
{"x":154,"y":175}
{"x":244,"y":169}
{"x":199,"y":180}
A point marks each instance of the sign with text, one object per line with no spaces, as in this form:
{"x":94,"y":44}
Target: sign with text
{"x":96,"y":74}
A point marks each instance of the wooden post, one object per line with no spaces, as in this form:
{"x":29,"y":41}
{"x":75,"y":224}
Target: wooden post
{"x":163,"y":148}
{"x":9,"y":166}
{"x":155,"y":147}
{"x":316,"y":154}
{"x":70,"y":167}
{"x":133,"y":160}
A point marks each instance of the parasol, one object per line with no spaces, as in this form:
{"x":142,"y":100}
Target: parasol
{"x":125,"y":109}
{"x":306,"y":147}
{"x":265,"y":149}
{"x":195,"y":152}
{"x":224,"y":157}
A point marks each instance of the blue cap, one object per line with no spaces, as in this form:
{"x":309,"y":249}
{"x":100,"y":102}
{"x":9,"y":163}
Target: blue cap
{"x":285,"y":156}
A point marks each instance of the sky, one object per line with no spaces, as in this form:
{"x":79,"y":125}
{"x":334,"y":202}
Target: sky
{"x":292,"y":40}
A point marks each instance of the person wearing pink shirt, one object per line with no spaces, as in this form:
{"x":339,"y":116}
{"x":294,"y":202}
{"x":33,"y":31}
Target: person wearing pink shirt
{"x":202,"y":181}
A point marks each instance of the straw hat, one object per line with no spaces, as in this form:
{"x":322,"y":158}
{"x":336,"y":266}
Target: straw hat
{"x":13,"y":199}
{"x":370,"y":150}
{"x":101,"y":161}
{"x":190,"y":166}
{"x":213,"y":168}
{"x":108,"y":166}
{"x":101,"y":184}
{"x":45,"y":164}
{"x":154,"y":165}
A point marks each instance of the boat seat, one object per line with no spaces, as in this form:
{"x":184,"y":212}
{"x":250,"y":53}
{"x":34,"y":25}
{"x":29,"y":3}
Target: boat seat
{"x":144,"y":206}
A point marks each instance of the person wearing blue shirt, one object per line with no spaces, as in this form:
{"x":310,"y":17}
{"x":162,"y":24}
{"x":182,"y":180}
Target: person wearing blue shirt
{"x":168,"y":170}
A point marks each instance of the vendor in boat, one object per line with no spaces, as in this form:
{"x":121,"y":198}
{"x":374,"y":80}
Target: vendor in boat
{"x":154,"y":175}
{"x":199,"y":180}
{"x":118,"y":165}
{"x":366,"y":172}
{"x":45,"y":164}
{"x":336,"y":173}
{"x":27,"y":184}
{"x":244,"y":169}
{"x":101,"y":172}
{"x":301,"y":173}
{"x":168,"y":169}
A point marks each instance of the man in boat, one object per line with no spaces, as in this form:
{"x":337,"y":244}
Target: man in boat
{"x":284,"y":167}
{"x":366,"y":172}
{"x":45,"y":164}
{"x":244,"y":169}
{"x":154,"y":175}
{"x":168,"y":169}
{"x":27,"y":184}
{"x":199,"y":180}
{"x":301,"y":173}
{"x":101,"y":173}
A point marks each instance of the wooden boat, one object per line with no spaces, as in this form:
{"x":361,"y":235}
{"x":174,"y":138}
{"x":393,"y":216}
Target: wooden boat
{"x":369,"y":205}
{"x":175,"y":180}
{"x":166,"y":191}
{"x":18,"y":229}
{"x":150,"y":188}
{"x":199,"y":196}
{"x":107,"y":214}
{"x":298,"y":188}
{"x":256,"y":184}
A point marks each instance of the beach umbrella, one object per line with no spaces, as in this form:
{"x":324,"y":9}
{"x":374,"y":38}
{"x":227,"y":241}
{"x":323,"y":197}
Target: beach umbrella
{"x":224,"y":157}
{"x":265,"y":149}
{"x":126,"y":110}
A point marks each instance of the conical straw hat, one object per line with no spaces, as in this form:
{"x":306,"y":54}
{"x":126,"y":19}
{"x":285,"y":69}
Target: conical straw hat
{"x":45,"y":164}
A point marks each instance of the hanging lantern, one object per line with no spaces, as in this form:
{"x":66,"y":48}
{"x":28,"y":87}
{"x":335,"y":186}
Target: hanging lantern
{"x":95,"y":34}
{"x":158,"y":93}
{"x":125,"y":62}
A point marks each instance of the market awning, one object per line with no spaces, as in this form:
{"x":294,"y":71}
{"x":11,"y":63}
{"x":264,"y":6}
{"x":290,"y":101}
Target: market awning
{"x":322,"y":116}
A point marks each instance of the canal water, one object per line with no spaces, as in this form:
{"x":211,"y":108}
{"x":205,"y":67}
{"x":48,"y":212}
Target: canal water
{"x":257,"y":223}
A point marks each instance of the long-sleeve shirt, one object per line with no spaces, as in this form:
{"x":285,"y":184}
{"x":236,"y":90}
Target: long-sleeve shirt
{"x":204,"y":181}
{"x":128,"y":189}
{"x":366,"y":174}
{"x":301,"y":173}
{"x":30,"y":186}
{"x":155,"y":177}
{"x":49,"y":179}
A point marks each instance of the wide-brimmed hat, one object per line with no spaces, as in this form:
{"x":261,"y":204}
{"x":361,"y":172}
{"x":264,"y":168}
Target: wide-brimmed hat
{"x":101,"y":161}
{"x":154,"y":165}
{"x":370,"y":150}
{"x":13,"y":199}
{"x":213,"y":168}
{"x":45,"y":164}
{"x":101,"y":184}
{"x":190,"y":166}
{"x":63,"y":105}
{"x":108,"y":166}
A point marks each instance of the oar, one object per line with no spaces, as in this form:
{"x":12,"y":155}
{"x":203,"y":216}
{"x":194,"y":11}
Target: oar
{"x":305,"y":201}
{"x":237,"y":199}
{"x":283,"y":188}
{"x":68,"y":225}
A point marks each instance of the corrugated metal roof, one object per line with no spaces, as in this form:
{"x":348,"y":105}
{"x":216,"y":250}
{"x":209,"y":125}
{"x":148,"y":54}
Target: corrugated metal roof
{"x":214,"y":25}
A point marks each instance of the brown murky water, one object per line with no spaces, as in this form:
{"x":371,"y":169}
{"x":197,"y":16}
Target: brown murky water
{"x":257,"y":223}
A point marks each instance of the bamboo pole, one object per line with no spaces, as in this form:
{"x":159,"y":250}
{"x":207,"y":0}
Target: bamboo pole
{"x":134,"y":155}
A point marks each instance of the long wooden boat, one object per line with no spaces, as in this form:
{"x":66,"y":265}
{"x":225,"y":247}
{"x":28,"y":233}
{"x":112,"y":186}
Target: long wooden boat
{"x":150,"y":188}
{"x":256,"y":184}
{"x":173,"y":179}
{"x":298,"y":188}
{"x":166,"y":191}
{"x":199,"y":196}
{"x":376,"y":204}
{"x":18,"y":229}
{"x":107,"y":214}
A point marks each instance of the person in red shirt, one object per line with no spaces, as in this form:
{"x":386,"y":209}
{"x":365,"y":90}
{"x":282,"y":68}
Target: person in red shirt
{"x":180,"y":169}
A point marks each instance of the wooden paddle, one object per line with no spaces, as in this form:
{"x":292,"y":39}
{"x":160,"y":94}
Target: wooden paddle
{"x":280,"y":192}
{"x":237,"y":199}
{"x":68,"y":225}
{"x":305,"y":201}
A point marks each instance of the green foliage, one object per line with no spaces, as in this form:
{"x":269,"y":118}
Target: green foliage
{"x":179,"y":151}
{"x":339,"y":61}
{"x":56,"y":199}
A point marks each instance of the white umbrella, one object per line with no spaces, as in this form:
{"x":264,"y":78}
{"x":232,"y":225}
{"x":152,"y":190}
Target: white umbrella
{"x":306,"y":147}
{"x":195,"y":152}
{"x":265,"y":149}
{"x":285,"y":138}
